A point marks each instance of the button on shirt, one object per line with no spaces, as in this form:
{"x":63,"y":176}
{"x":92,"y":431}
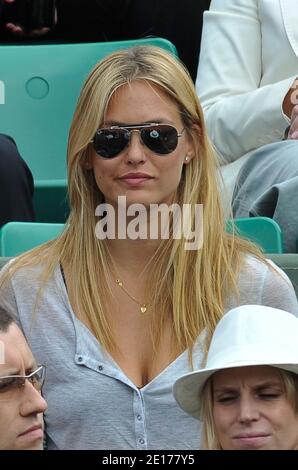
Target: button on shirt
{"x":91,"y":402}
{"x":102,"y":406}
{"x":106,"y":409}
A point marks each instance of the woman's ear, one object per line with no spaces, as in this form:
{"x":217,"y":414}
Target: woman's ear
{"x":192,"y":144}
{"x":190,"y":151}
{"x":187,"y":158}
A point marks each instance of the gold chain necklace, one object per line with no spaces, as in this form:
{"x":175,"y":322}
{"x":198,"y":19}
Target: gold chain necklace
{"x":143,"y":307}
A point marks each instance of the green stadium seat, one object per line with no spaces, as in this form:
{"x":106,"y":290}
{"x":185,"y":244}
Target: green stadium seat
{"x":50,"y":201}
{"x":18,"y":237}
{"x":40,"y":86}
{"x":263,"y":231}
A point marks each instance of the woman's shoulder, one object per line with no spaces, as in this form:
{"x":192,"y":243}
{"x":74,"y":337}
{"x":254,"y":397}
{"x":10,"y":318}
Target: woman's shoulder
{"x":255,"y":267}
{"x":26,"y":276}
{"x":256,"y":270}
{"x":263,"y":282}
{"x":23,"y":286}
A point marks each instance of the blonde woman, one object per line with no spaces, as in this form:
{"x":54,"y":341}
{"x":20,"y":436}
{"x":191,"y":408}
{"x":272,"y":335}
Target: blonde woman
{"x":247,"y":394}
{"x":118,"y":319}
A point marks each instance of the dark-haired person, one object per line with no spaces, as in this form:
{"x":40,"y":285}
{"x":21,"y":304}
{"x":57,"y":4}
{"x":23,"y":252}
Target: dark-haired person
{"x":21,"y":379}
{"x":12,"y":12}
{"x":117,"y":20}
{"x":16,"y":184}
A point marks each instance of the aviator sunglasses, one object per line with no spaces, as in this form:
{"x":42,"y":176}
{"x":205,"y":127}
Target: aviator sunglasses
{"x":161,"y":139}
{"x":11,"y":383}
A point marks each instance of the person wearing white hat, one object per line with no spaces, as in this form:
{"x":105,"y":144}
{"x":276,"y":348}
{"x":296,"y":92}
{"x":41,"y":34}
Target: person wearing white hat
{"x":247,"y":394}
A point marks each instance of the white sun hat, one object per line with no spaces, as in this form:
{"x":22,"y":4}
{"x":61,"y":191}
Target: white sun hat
{"x":246,"y":336}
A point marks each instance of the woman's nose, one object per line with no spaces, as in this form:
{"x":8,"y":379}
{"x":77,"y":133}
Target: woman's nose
{"x":248,"y":410}
{"x":135,"y":151}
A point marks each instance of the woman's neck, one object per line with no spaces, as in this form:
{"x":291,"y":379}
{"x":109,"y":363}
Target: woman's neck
{"x":132,"y":254}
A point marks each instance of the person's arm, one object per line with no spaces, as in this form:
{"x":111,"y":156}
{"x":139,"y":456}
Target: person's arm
{"x":240,"y":116}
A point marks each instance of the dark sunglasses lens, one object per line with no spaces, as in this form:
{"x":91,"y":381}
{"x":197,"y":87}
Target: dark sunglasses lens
{"x":108,"y":143}
{"x":160,"y":139}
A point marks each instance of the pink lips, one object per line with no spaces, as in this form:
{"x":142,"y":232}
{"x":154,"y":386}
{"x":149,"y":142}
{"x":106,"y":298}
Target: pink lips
{"x":35,"y":432}
{"x":249,"y":440}
{"x":135,"y":179}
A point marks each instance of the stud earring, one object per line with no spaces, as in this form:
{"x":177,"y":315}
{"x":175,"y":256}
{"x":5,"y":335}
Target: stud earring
{"x":186,"y":159}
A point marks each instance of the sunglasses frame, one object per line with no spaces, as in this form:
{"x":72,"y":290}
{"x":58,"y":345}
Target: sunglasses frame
{"x":137,"y":128}
{"x":22,"y":379}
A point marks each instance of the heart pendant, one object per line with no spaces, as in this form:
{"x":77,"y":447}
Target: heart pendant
{"x":143,"y":309}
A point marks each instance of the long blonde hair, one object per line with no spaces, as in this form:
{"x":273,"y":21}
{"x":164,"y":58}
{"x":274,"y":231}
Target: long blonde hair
{"x":193,"y":285}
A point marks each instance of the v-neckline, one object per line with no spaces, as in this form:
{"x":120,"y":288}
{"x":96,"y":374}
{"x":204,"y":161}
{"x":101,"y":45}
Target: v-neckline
{"x":79,"y":324}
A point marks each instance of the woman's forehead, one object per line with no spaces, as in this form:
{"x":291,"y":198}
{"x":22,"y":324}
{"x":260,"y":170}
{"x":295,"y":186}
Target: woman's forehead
{"x":143,"y":100}
{"x":249,"y":374}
